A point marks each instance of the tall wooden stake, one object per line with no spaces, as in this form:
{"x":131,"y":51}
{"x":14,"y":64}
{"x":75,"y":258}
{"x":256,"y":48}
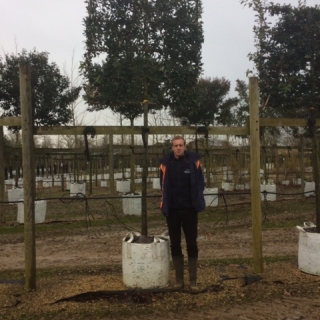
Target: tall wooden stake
{"x":28,"y":165}
{"x":316,"y":165}
{"x":111,"y":166}
{"x":144,"y":221}
{"x":2,"y":178}
{"x":255,"y":174}
{"x":301,"y":160}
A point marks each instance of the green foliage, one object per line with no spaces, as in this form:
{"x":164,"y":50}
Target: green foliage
{"x":141,"y":50}
{"x":287,"y":58}
{"x":211,"y":106}
{"x":51,"y":92}
{"x":241,"y":112}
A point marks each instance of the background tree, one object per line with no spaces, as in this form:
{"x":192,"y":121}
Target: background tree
{"x":212,"y":105}
{"x":288,"y":63}
{"x":51,"y":94}
{"x":240,"y":114}
{"x":287,"y":58}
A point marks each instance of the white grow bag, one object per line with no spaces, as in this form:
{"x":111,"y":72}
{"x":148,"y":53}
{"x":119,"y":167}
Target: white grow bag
{"x":103,"y":183}
{"x":308,"y":251}
{"x":309,"y":188}
{"x":15,"y":194}
{"x":123,"y":186}
{"x":131,"y":204}
{"x":40,"y":208}
{"x":77,"y":189}
{"x":211,"y":197}
{"x":156,"y":183}
{"x":145,"y":265}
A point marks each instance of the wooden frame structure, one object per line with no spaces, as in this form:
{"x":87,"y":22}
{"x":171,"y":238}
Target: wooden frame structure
{"x":252,"y":129}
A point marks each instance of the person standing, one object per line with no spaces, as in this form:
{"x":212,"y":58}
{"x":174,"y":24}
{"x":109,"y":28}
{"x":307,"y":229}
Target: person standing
{"x":182,"y":185}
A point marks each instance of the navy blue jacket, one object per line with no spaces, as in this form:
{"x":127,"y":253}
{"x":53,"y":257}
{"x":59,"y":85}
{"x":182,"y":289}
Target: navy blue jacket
{"x":197,"y":182}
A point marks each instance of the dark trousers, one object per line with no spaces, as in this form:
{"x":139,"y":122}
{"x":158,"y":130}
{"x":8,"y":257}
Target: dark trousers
{"x":187,"y":220}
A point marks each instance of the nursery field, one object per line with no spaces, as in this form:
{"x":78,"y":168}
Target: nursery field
{"x":79,"y":261}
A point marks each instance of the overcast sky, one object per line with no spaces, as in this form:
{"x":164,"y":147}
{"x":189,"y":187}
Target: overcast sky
{"x":56,"y":26}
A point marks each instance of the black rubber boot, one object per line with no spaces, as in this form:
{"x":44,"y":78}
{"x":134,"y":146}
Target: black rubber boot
{"x":193,"y":266}
{"x":178,"y":263}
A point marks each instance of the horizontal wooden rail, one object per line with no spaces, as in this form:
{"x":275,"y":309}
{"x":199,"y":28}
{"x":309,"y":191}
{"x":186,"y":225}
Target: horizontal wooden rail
{"x":102,"y":130}
{"x":137,"y":130}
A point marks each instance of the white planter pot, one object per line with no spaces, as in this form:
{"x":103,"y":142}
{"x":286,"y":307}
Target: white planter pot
{"x":240,"y":187}
{"x":156,"y":183}
{"x":309,"y":188}
{"x":269,"y":166}
{"x":123,"y":186}
{"x":145,"y":265}
{"x":226,"y":186}
{"x":127,"y":175}
{"x":131,"y":204}
{"x":211,"y":197}
{"x":47,"y":183}
{"x":15,"y":194}
{"x":118,"y":175}
{"x":271,"y":189}
{"x":40,"y":208}
{"x":77,"y":189}
{"x":296,"y":181}
{"x":228,"y":176}
{"x":308,"y":251}
{"x":103,"y":183}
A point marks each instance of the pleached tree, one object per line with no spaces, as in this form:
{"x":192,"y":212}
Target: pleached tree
{"x":141,"y":55}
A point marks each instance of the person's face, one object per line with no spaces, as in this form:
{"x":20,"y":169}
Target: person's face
{"x":178,"y":148}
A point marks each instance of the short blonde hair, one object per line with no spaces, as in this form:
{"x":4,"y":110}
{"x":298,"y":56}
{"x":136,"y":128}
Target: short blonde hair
{"x":178,"y":138}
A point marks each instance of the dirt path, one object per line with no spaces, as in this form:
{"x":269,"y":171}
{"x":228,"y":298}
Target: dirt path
{"x":92,"y":249}
{"x":90,"y":262}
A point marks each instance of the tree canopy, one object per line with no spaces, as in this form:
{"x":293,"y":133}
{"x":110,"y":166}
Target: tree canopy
{"x":212,"y":106}
{"x":241,"y":112}
{"x":139,"y":50}
{"x":51,"y":91}
{"x":287,"y":57}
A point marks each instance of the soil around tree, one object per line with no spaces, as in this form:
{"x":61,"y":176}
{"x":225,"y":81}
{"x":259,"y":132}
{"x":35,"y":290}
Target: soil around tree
{"x":79,"y":276}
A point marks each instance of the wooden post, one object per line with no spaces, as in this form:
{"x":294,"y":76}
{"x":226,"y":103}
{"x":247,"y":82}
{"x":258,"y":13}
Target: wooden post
{"x":17,"y":167}
{"x":62,"y":173}
{"x":90,"y":176}
{"x":28,"y":177}
{"x":277,"y":166}
{"x":316,"y":166}
{"x":301,"y":160}
{"x":208,"y":173}
{"x":52,"y":170}
{"x":132,"y":163}
{"x":111,"y":166}
{"x":96,"y":169}
{"x":255,"y":174}
{"x":144,"y":222}
{"x":2,"y":178}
